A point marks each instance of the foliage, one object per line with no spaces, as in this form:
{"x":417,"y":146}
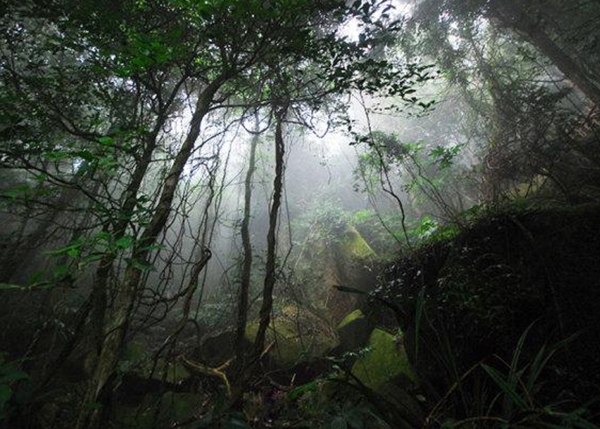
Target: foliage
{"x":465,"y":303}
{"x":10,"y":374}
{"x":509,"y":395}
{"x":318,"y":407}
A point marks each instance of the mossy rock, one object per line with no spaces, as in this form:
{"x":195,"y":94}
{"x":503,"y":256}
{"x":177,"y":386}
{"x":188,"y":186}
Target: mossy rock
{"x":175,"y":372}
{"x":354,"y":331}
{"x":291,"y":346}
{"x":353,"y":317}
{"x":354,"y":246}
{"x":137,"y":360}
{"x":385,"y":362}
{"x":218,"y":348}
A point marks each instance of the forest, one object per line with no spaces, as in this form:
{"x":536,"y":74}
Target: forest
{"x":328,"y":214}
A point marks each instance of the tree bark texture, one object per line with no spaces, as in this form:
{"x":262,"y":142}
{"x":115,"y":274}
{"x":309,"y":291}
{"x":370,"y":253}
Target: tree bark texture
{"x":242,"y":317}
{"x":269,"y":283}
{"x":118,"y":322}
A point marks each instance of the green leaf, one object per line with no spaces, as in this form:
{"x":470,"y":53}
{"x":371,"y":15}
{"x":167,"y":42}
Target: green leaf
{"x":505,"y":387}
{"x":301,"y":390}
{"x":5,"y":395}
{"x":125,"y":242}
{"x":61,"y":270}
{"x":106,"y":141}
{"x":12,"y":374}
{"x":73,"y":250}
{"x":36,"y":285}
{"x":7,"y":286}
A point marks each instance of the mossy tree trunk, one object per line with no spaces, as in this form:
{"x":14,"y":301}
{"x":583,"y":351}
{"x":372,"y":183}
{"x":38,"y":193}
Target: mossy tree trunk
{"x":242,"y":317}
{"x":280,"y":112}
{"x":117,"y":324}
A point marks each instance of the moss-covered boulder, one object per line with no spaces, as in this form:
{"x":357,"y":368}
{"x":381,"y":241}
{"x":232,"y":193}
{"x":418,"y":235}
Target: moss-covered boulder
{"x":350,"y":263}
{"x":297,"y":337}
{"x":385,"y":362}
{"x":354,"y":246}
{"x":354,"y":331}
{"x":218,"y":348}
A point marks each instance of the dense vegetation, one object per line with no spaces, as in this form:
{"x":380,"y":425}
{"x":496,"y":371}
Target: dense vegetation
{"x":299,"y":213}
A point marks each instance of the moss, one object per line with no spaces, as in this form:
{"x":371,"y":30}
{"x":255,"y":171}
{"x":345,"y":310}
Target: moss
{"x":355,"y":315}
{"x":291,"y":347}
{"x":385,"y":362}
{"x":354,"y":245}
{"x":136,"y":350}
{"x":176,"y":372}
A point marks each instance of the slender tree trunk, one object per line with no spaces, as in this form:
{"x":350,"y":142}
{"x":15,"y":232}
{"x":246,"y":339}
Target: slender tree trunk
{"x":242,"y":317}
{"x":269,"y":284}
{"x":100,"y":288}
{"x":118,"y":323}
{"x":125,"y":213}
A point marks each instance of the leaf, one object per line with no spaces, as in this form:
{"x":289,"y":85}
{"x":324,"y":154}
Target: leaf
{"x":339,"y":423}
{"x":140,"y":265}
{"x":61,"y":270}
{"x":12,"y":375}
{"x":301,"y":390}
{"x":514,"y":374}
{"x":505,"y":386}
{"x":73,"y":250}
{"x":236,"y":423}
{"x":125,"y":242}
{"x":38,"y":285}
{"x":106,"y":141}
{"x":5,"y":394}
{"x":7,"y":286}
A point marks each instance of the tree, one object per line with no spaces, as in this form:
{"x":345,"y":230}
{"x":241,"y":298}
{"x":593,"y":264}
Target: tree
{"x":127,"y":74}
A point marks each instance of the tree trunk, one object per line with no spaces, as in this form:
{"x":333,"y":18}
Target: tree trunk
{"x":118,"y":322}
{"x":269,"y":284}
{"x":242,"y":318}
{"x":512,"y":15}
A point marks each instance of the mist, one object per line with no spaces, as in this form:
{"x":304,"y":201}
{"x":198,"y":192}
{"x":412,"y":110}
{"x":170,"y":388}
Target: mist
{"x":255,"y":214}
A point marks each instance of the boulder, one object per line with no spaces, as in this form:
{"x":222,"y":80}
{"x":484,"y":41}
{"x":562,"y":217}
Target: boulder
{"x":385,"y":362}
{"x":354,"y":331}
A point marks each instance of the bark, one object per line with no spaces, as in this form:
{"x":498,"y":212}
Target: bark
{"x":269,"y":283}
{"x":242,"y":317}
{"x":120,"y":317}
{"x":126,"y":211}
{"x":99,"y":291}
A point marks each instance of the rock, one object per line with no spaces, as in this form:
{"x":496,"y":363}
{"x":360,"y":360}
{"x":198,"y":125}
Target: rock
{"x":387,"y":361}
{"x":350,"y":263}
{"x":217,"y":349}
{"x":295,"y":341}
{"x":354,"y":331}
